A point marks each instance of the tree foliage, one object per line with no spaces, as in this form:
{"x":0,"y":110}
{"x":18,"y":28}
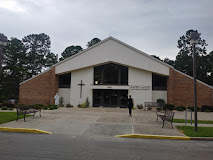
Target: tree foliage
{"x":93,"y":42}
{"x":166,"y":60}
{"x":38,"y":53}
{"x":13,"y":69}
{"x":184,"y":59}
{"x":70,"y":51}
{"x":169,"y":62}
{"x":22,"y":60}
{"x":154,"y":56}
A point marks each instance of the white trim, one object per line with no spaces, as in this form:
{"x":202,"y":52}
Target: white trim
{"x":193,"y":78}
{"x":36,"y":75}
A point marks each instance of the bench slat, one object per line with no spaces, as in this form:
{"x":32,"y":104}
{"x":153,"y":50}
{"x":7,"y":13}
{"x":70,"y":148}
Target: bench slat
{"x":168,"y":116}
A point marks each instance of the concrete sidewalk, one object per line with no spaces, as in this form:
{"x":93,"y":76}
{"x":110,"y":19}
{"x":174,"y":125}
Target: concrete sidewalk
{"x":102,"y":122}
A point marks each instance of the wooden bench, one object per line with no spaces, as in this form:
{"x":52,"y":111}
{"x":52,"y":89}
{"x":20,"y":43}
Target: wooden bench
{"x":167,"y":116}
{"x":24,"y":110}
{"x":150,"y":105}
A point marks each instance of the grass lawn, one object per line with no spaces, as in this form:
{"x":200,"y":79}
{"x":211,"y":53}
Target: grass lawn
{"x":201,"y":131}
{"x":9,"y":116}
{"x":189,"y":121}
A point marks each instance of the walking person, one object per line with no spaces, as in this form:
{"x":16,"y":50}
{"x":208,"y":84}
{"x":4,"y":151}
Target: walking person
{"x":130,"y":105}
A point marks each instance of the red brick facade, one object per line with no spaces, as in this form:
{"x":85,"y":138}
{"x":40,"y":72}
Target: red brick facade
{"x":39,"y":90}
{"x":180,"y":91}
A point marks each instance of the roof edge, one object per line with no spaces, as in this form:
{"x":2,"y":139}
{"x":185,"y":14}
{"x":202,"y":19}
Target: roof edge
{"x":137,"y":50}
{"x":125,"y":44}
{"x":193,"y":78}
{"x":82,"y":51}
{"x":36,"y":76}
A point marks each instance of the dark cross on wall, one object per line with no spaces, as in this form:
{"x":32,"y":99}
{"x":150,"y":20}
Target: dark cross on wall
{"x":81,"y":84}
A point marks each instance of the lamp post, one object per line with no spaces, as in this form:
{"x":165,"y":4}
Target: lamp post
{"x":194,"y":37}
{"x":3,"y":42}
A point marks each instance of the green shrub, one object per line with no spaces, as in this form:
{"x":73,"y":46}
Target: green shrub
{"x":38,"y":106}
{"x":20,"y":105}
{"x":192,"y":108}
{"x":61,"y":102}
{"x":87,"y":102}
{"x":169,"y":107}
{"x":207,"y":110}
{"x":159,"y":109}
{"x":10,"y":109}
{"x":4,"y":108}
{"x":45,"y":108}
{"x":9,"y":105}
{"x":140,"y":106}
{"x":69,"y":105}
{"x":206,"y":107}
{"x":181,"y":108}
{"x":55,"y":106}
{"x":161,"y":103}
{"x":51,"y":108}
{"x":84,"y":105}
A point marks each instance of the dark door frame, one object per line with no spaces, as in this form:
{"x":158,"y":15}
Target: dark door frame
{"x":119,"y":98}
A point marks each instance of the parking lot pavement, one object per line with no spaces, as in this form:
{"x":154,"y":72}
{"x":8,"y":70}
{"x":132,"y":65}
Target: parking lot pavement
{"x":100,"y":122}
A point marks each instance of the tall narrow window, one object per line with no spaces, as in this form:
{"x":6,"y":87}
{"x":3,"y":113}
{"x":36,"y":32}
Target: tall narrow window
{"x":65,"y":80}
{"x":124,"y":75}
{"x":159,"y":82}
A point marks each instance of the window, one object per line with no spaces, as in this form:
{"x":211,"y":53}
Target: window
{"x":64,"y":80}
{"x":111,"y":74}
{"x":159,"y":82}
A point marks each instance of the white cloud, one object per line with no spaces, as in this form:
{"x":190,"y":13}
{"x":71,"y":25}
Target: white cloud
{"x":152,"y":26}
{"x":11,"y":5}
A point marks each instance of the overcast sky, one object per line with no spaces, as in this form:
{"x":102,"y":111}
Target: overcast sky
{"x":152,"y":26}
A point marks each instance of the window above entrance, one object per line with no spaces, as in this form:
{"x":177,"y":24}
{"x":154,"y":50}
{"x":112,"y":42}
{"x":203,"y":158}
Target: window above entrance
{"x":111,"y":74}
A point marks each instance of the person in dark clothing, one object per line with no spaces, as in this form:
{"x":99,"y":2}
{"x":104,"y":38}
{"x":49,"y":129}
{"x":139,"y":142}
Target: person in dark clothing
{"x":130,"y":105}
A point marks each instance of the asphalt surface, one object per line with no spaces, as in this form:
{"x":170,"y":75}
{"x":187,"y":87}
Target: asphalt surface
{"x":81,"y":134}
{"x":21,"y":146}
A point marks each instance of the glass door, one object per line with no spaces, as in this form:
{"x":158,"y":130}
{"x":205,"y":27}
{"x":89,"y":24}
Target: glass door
{"x":107,"y":97}
{"x":110,"y":98}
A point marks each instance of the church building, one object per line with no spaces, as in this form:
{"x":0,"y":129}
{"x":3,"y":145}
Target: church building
{"x":107,"y":73}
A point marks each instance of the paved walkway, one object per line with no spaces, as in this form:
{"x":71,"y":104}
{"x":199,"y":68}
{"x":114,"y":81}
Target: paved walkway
{"x":103,"y":122}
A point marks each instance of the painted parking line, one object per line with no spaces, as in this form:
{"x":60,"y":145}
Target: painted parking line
{"x":23,"y":130}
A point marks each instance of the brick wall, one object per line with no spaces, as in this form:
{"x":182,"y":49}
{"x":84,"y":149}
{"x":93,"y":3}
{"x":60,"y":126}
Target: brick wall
{"x":180,"y":91}
{"x":39,"y":90}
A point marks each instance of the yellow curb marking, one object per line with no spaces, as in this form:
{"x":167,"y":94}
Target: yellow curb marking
{"x":154,"y":136}
{"x":24,"y":130}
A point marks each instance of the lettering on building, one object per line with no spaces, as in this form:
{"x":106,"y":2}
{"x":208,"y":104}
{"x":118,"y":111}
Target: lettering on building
{"x":140,"y":87}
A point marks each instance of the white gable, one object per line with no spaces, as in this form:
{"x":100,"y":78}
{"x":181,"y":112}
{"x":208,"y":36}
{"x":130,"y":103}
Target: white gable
{"x":112,"y":50}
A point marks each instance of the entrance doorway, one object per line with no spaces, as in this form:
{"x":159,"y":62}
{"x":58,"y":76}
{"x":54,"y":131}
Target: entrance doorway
{"x":110,"y":98}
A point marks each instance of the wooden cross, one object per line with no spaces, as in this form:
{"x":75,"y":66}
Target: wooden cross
{"x":81,"y":84}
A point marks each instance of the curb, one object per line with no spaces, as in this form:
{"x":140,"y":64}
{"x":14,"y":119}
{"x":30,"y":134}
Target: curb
{"x":23,"y":130}
{"x":165,"y":137}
